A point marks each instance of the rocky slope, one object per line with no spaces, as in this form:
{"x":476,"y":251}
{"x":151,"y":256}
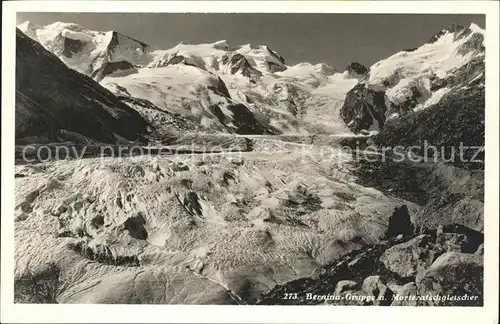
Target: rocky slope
{"x":88,"y":52}
{"x":417,"y":79}
{"x":55,"y":103}
{"x":433,"y":267}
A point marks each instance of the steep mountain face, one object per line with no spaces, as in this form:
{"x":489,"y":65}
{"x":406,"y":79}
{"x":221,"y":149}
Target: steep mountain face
{"x":456,"y":120}
{"x":194,"y":229}
{"x":87,"y":51}
{"x":54,"y":103}
{"x":237,"y":63}
{"x":118,"y":68}
{"x":416,"y":79}
{"x":262,"y":93}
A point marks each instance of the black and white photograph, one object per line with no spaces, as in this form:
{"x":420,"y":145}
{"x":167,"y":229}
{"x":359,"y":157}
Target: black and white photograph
{"x":250,"y":158}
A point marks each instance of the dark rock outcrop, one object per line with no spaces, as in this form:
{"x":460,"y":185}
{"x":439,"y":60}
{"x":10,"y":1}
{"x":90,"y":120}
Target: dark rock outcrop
{"x":175,"y":60}
{"x":115,"y":42}
{"x":38,"y":288}
{"x":276,"y":55}
{"x":356,"y":68}
{"x":475,"y":44}
{"x":192,"y":203}
{"x":102,"y":254}
{"x":245,"y":121}
{"x":72,"y":46}
{"x":410,"y":49}
{"x":363,"y":108}
{"x":238,"y":63}
{"x":220,"y":88}
{"x":135,"y":226}
{"x":273,"y":67}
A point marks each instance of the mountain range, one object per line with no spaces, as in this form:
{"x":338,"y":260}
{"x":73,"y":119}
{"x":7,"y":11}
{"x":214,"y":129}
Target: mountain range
{"x":248,"y":89}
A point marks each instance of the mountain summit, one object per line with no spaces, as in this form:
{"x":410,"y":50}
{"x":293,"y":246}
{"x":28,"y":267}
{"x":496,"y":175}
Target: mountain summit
{"x":249,"y":193}
{"x":54,"y":102}
{"x":84,"y":50}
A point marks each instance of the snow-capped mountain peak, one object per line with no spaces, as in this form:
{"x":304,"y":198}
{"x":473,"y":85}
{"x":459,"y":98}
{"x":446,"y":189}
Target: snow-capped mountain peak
{"x":417,"y":78}
{"x":85,"y":50}
{"x":213,"y":84}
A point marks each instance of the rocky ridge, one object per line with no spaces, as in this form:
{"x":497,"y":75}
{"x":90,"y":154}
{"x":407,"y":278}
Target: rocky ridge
{"x":414,"y":80}
{"x":412,"y":266}
{"x":53,"y":100}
